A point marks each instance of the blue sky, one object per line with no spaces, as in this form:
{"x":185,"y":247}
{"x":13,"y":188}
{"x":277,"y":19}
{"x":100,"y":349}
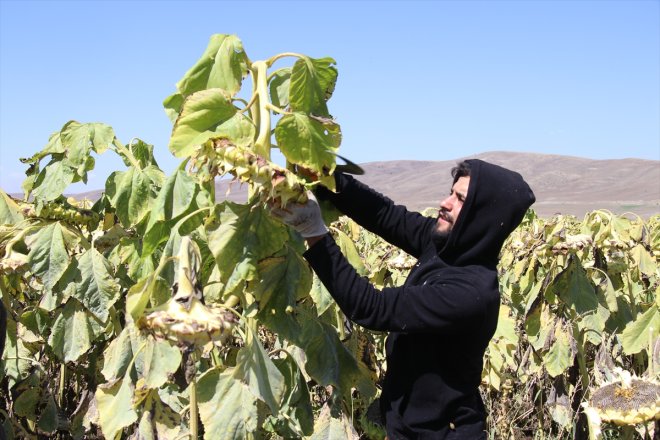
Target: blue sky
{"x":419,"y":80}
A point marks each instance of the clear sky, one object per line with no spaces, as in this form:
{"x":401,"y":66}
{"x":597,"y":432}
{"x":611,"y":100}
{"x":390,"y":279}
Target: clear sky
{"x":419,"y":80}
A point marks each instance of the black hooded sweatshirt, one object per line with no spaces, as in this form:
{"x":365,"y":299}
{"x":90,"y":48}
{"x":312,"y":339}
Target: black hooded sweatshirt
{"x":442,"y":319}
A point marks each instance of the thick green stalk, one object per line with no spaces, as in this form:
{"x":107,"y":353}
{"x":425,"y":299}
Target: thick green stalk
{"x":582,"y":361}
{"x":254,"y":101}
{"x":340,"y":323}
{"x":60,"y":394}
{"x":4,"y":297}
{"x":262,"y":144}
{"x":651,"y":353}
{"x":628,"y":433}
{"x":121,"y":149}
{"x":194,"y":411}
{"x":272,"y":60}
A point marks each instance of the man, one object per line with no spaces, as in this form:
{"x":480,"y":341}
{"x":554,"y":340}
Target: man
{"x":442,"y":319}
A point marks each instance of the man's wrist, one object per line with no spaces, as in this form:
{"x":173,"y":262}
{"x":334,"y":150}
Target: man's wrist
{"x":311,"y":241}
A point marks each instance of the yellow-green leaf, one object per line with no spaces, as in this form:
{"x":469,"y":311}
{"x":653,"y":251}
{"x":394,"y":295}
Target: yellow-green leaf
{"x":117,"y":357}
{"x":644,"y":260}
{"x":73,"y":332}
{"x":131,"y":193}
{"x":9,"y":211}
{"x":227,"y":408}
{"x":333,"y":424}
{"x":48,"y":257}
{"x":637,"y":334}
{"x":202,"y":112}
{"x":308,"y":141}
{"x":255,"y":369}
{"x":115,"y":407}
{"x":560,"y":356}
{"x":160,"y":360}
{"x":222,"y":65}
{"x":312,"y":84}
{"x":95,"y":287}
{"x":241,"y":236}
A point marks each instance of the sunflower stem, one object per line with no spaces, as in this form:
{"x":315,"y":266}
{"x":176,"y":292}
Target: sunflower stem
{"x":194,"y":413}
{"x":628,"y":433}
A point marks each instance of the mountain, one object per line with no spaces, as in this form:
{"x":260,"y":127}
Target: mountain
{"x":562,"y":184}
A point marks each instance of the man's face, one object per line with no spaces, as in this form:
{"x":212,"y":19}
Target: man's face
{"x":451,"y":206}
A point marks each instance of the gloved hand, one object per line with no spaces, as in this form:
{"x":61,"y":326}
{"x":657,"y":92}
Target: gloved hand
{"x":303,"y":217}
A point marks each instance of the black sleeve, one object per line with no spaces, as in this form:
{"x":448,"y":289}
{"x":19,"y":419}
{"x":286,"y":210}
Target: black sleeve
{"x":444,"y":306}
{"x":406,"y":230}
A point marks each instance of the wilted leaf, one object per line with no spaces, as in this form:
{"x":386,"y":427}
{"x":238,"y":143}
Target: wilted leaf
{"x":308,"y":141}
{"x":202,"y":112}
{"x":131,"y":193}
{"x":223,"y":65}
{"x":173,"y":105}
{"x":142,"y":152}
{"x":115,"y":407}
{"x":130,"y":254}
{"x":26,"y":403}
{"x":9,"y":211}
{"x":15,"y":361}
{"x":506,"y":326}
{"x":645,"y":328}
{"x":560,"y":356}
{"x":95,"y":287}
{"x":559,"y":405}
{"x":644,"y":260}
{"x":227,"y":408}
{"x":279,"y":87}
{"x":73,"y":332}
{"x":320,"y":295}
{"x":158,"y":420}
{"x":160,"y":360}
{"x":49,"y":416}
{"x":283,"y":280}
{"x":312,"y":84}
{"x":575,"y":289}
{"x":239,"y":129}
{"x":79,"y":140}
{"x":322,"y":348}
{"x":259,"y":373}
{"x":295,"y":418}
{"x":351,"y":253}
{"x":140,"y":293}
{"x":242,"y":236}
{"x":333,"y":424}
{"x":51,"y":182}
{"x":117,"y":357}
{"x":175,"y":198}
{"x":48,"y":257}
{"x":71,"y":159}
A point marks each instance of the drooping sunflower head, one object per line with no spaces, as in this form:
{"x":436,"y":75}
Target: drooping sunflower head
{"x":628,"y":400}
{"x":184,"y":318}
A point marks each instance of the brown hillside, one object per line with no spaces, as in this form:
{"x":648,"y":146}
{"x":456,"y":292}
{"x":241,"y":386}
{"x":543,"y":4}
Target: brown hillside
{"x":562,"y":184}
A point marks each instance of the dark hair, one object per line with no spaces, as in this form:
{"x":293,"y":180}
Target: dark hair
{"x":462,"y":169}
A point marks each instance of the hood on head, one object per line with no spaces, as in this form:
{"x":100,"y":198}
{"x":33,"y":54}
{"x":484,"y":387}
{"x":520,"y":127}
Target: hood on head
{"x":496,"y":203}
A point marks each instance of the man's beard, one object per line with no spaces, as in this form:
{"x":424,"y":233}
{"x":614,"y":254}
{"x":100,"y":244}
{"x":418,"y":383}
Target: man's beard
{"x":439,"y":237}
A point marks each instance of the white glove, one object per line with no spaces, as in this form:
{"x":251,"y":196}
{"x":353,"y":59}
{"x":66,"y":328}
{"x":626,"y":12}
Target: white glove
{"x":303,"y":217}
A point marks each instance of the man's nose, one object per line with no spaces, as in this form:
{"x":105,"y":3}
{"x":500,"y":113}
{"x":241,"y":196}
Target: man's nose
{"x":446,"y":204}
